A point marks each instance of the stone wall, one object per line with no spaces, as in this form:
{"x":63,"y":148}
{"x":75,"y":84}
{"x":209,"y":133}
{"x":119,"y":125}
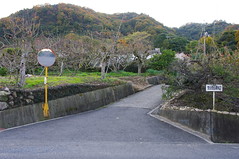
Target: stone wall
{"x":155,"y":80}
{"x":67,"y":105}
{"x":4,"y":96}
{"x":20,"y":97}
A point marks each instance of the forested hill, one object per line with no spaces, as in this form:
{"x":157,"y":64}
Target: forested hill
{"x":64,"y":18}
{"x":193,"y":31}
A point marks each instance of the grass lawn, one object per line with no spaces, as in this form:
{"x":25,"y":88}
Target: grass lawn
{"x":81,"y":77}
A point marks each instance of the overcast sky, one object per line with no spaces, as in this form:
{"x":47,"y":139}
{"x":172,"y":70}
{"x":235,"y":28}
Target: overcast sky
{"x":172,"y":13}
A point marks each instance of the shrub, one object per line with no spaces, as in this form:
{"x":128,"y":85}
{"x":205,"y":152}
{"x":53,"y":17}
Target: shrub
{"x":3,"y":71}
{"x":162,"y":61}
{"x":121,"y":74}
{"x":133,"y":67}
{"x":152,"y":72}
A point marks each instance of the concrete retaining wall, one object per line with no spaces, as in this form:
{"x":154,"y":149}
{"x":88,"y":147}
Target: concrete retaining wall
{"x":225,"y":128}
{"x":155,"y":80}
{"x":220,"y":126}
{"x":64,"y":106}
{"x":20,"y":97}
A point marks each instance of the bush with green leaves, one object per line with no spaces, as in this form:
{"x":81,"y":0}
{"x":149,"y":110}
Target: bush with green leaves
{"x":3,"y":71}
{"x":153,"y":72}
{"x":161,"y":61}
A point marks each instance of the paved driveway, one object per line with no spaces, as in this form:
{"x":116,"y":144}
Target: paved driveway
{"x":122,"y":130}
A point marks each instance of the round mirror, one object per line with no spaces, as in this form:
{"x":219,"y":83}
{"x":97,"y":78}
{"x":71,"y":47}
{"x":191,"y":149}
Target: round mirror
{"x":46,"y":57}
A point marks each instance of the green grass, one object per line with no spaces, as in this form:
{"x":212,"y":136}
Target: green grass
{"x":60,"y":80}
{"x":121,"y":74}
{"x":66,"y":78}
{"x":38,"y":81}
{"x":6,"y":81}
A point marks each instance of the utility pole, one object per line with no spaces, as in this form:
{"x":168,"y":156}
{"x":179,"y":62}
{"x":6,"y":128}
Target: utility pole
{"x":204,"y":42}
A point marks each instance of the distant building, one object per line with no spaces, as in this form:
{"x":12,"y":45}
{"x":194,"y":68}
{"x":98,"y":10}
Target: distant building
{"x":153,"y":52}
{"x":182,"y":56}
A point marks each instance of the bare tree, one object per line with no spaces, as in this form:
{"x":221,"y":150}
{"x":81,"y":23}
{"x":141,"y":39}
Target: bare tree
{"x":55,"y":43}
{"x":140,"y":45}
{"x":105,"y":52}
{"x":20,"y":33}
{"x":9,"y":58}
{"x":121,"y":57}
{"x":73,"y":51}
{"x":2,"y":45}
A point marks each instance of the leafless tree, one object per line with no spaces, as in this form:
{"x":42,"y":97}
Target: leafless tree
{"x":140,"y":45}
{"x":20,"y":33}
{"x":122,"y":57}
{"x":9,"y":58}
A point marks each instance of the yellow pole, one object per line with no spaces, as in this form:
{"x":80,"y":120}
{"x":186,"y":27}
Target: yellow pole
{"x":45,"y":105}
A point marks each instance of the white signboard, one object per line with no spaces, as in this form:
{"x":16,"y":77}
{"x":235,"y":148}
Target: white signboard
{"x":214,"y":88}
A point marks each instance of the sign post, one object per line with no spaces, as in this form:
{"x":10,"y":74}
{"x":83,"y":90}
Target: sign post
{"x":45,"y":105}
{"x":46,"y":58}
{"x":214,"y":88}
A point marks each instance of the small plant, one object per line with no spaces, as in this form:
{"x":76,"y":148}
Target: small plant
{"x":153,"y":72}
{"x":121,"y":74}
{"x":83,"y":74}
{"x":3,"y":71}
{"x":168,"y":92}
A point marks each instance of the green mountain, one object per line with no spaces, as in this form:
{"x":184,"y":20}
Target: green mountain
{"x":193,"y":31}
{"x":64,"y":18}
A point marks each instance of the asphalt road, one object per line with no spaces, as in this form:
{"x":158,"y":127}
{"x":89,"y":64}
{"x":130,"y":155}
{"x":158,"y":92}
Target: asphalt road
{"x":122,"y":130}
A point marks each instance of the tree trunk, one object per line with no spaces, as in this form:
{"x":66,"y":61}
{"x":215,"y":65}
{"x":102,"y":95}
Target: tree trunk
{"x":139,"y":68}
{"x":115,"y":68}
{"x":62,"y":67}
{"x":103,"y":66}
{"x":22,"y":72}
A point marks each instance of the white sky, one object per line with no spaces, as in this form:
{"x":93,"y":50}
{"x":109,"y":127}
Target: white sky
{"x":172,"y":13}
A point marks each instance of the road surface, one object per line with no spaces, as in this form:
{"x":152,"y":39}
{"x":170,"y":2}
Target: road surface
{"x":122,"y":130}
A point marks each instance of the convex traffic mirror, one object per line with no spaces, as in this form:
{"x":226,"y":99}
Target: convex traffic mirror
{"x":46,"y":57}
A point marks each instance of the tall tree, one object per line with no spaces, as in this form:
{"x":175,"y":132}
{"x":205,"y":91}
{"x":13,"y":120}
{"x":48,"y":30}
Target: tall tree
{"x":237,"y":38}
{"x":9,"y":58}
{"x":121,"y":58}
{"x":106,"y":50}
{"x":20,"y":33}
{"x":227,"y":39}
{"x":191,"y":47}
{"x":140,"y":44}
{"x":177,"y":44}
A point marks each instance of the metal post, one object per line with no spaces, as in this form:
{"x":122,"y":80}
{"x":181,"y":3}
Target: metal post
{"x":204,"y":45}
{"x":213,"y":98}
{"x":45,"y":105}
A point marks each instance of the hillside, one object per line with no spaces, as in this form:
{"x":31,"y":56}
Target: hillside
{"x":193,"y":31}
{"x":64,"y":18}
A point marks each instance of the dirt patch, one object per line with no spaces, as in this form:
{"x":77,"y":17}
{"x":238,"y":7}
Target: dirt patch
{"x":139,"y":82}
